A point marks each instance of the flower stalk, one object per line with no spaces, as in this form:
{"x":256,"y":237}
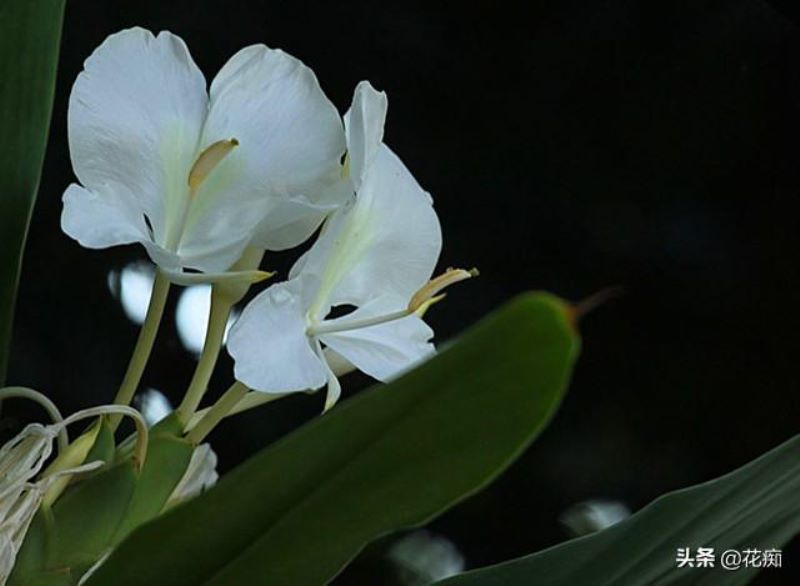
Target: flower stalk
{"x":226,"y":403}
{"x":224,"y":295}
{"x":217,"y":322}
{"x":144,"y":345}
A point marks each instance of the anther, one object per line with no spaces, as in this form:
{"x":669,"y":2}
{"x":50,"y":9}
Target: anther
{"x":427,"y":294}
{"x":208,"y":160}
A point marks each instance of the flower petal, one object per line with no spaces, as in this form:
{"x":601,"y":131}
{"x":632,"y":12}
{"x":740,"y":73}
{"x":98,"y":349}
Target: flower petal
{"x":135,"y":116}
{"x":386,"y":350}
{"x":269,"y":345}
{"x":387,"y":241}
{"x":101,"y":220}
{"x":363,"y":124}
{"x":290,"y":222}
{"x":290,"y":140}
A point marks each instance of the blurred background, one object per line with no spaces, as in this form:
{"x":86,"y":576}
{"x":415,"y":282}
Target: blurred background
{"x":569,"y":145}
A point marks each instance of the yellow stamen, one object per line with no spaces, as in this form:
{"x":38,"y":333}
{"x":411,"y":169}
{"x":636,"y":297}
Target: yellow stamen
{"x":427,"y":295}
{"x":419,"y":304}
{"x":208,"y":160}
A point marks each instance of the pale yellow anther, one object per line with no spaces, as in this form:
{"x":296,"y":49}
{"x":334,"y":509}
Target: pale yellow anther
{"x":208,"y":160}
{"x":259,"y":276}
{"x":427,"y":295}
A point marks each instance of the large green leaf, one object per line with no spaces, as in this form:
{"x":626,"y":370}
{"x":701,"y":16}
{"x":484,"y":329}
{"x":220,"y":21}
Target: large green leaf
{"x":756,"y":507}
{"x":393,"y":457}
{"x":30,"y":31}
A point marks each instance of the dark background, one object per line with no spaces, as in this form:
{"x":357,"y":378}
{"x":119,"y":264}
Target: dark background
{"x":569,"y":145}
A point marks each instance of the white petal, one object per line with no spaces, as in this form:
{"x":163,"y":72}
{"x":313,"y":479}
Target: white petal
{"x":290,"y":142}
{"x":216,"y":252}
{"x":387,"y":241}
{"x":386,"y":350}
{"x":269,"y":345}
{"x":135,"y":115}
{"x":102,"y":219}
{"x":290,"y":222}
{"x":363,"y":124}
{"x":200,"y":475}
{"x":162,"y":257}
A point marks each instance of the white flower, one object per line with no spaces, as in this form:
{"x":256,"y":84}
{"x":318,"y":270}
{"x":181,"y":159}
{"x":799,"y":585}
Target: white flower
{"x":374,"y":254}
{"x":200,"y":475}
{"x":196,"y":176}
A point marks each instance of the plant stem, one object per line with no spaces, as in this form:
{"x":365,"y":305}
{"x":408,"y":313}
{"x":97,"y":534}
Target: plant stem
{"x":144,"y":345}
{"x":217,"y":413}
{"x":339,"y":365}
{"x":217,"y":321}
{"x":251,"y":400}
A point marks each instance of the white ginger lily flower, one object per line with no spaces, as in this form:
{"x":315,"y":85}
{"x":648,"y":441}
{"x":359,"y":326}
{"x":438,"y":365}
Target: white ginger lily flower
{"x":197,"y":176}
{"x":375,"y":253}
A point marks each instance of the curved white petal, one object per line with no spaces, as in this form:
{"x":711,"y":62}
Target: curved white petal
{"x":292,"y":221}
{"x":100,"y":220}
{"x":135,"y":116}
{"x":166,"y":259}
{"x":290,"y":140}
{"x":363,"y":124}
{"x":269,"y":345}
{"x":214,"y":254}
{"x":386,"y":350}
{"x":386,"y":241}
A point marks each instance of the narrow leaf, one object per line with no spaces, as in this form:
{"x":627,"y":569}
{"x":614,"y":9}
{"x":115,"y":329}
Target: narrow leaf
{"x":754,"y":507}
{"x":30,"y":31}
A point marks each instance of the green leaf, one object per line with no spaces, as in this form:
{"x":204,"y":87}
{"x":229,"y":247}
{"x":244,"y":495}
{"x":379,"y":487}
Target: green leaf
{"x":756,"y":506}
{"x":30,"y":32}
{"x":393,"y":457}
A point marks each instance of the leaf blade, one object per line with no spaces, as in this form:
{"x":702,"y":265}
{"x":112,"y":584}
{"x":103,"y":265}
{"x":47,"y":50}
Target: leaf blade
{"x":30,"y":33}
{"x":754,"y":506}
{"x":353,"y":474}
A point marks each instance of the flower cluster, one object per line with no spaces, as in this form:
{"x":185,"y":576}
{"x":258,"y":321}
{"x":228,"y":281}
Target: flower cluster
{"x":207,"y":181}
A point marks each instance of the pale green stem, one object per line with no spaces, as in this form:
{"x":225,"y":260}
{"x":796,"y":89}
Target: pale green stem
{"x":217,"y":321}
{"x":144,"y":345}
{"x":218,"y":412}
{"x":251,"y":400}
{"x":339,"y":365}
{"x":46,"y":404}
